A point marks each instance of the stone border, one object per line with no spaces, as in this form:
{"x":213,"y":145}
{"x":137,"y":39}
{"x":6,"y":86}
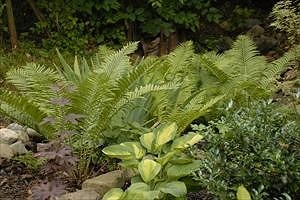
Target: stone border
{"x":95,"y":188}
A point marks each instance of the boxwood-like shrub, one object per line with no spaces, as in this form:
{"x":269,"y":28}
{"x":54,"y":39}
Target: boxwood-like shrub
{"x":256,"y":146}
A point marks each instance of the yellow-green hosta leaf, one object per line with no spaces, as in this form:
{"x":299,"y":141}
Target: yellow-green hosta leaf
{"x":165,"y":134}
{"x":186,"y":141}
{"x":136,"y":148}
{"x":147,"y":140}
{"x":148,"y":169}
{"x":166,"y":158}
{"x":132,"y":163}
{"x":125,"y":151}
{"x":141,"y":186}
{"x":178,"y":171}
{"x":119,"y":151}
{"x":242,"y":193}
{"x":181,"y":159}
{"x":113,"y":194}
{"x":175,"y":188}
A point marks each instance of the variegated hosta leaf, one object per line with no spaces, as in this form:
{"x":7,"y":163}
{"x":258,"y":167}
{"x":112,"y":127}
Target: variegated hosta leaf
{"x":141,"y":191}
{"x":147,"y":140}
{"x":118,"y":151}
{"x":125,"y":151}
{"x":139,"y":187}
{"x":186,"y":141}
{"x":113,"y":194}
{"x":165,"y":134}
{"x":166,"y":158}
{"x":136,"y":148}
{"x":242,"y":193}
{"x":175,"y":188}
{"x":178,"y":171}
{"x":148,"y":169}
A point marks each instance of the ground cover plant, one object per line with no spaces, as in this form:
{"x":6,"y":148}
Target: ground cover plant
{"x":256,"y":146}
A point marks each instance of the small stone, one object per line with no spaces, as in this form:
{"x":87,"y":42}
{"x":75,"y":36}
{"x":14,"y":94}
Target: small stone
{"x":80,"y":195}
{"x":18,"y":148}
{"x":8,"y":136}
{"x":6,"y":151}
{"x":101,"y":184}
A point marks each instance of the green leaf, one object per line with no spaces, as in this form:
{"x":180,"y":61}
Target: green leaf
{"x":186,"y":141}
{"x":132,"y":163}
{"x":149,"y":169}
{"x":178,"y":171}
{"x":175,"y":188}
{"x":165,"y":159}
{"x":242,"y":193}
{"x":139,"y":187}
{"x":118,"y":151}
{"x":147,"y":140}
{"x":113,"y":194}
{"x":136,"y":148}
{"x":165,"y":134}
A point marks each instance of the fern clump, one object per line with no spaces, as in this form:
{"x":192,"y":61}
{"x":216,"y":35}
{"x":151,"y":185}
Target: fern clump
{"x":241,"y":73}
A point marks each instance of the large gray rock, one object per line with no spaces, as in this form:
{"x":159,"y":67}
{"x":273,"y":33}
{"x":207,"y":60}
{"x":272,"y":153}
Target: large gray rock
{"x":80,"y":195}
{"x":8,"y":136}
{"x":18,"y":148}
{"x":6,"y":151}
{"x":101,"y":184}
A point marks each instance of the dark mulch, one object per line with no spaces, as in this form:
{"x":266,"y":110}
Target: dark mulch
{"x":16,"y":180}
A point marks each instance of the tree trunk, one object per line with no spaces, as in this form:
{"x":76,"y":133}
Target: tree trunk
{"x":11,"y":24}
{"x":36,"y":11}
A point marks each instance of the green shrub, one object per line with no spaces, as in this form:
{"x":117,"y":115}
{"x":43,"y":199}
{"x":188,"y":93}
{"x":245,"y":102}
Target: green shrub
{"x":286,"y":18}
{"x":255,"y":146}
{"x":159,"y":160}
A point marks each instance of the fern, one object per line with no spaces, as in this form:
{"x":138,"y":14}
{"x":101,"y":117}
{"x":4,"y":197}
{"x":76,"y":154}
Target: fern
{"x":241,"y":73}
{"x":20,"y":108}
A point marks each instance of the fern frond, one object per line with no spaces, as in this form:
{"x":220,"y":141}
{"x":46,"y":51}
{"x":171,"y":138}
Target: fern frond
{"x":245,"y":57}
{"x":209,"y":62}
{"x":181,"y":57}
{"x":76,"y":74}
{"x":118,"y":63}
{"x":35,"y":82}
{"x":277,"y":66}
{"x":19,"y":108}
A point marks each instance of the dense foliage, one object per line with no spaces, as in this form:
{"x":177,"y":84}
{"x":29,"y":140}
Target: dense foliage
{"x":75,"y":24}
{"x":256,"y":146}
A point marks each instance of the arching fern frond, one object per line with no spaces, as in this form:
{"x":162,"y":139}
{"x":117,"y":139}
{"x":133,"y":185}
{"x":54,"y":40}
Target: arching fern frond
{"x":35,"y":82}
{"x":19,"y":108}
{"x":117,"y":63}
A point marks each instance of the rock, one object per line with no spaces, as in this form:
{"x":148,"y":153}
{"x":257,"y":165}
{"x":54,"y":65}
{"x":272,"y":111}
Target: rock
{"x":6,"y":151}
{"x":265,"y":44}
{"x":32,"y":133}
{"x":80,"y":195}
{"x":101,"y":184}
{"x":256,"y":31}
{"x":22,"y":136}
{"x":8,"y":136}
{"x":15,"y":127}
{"x":18,"y":148}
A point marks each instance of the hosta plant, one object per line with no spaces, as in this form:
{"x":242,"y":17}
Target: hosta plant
{"x":159,"y":159}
